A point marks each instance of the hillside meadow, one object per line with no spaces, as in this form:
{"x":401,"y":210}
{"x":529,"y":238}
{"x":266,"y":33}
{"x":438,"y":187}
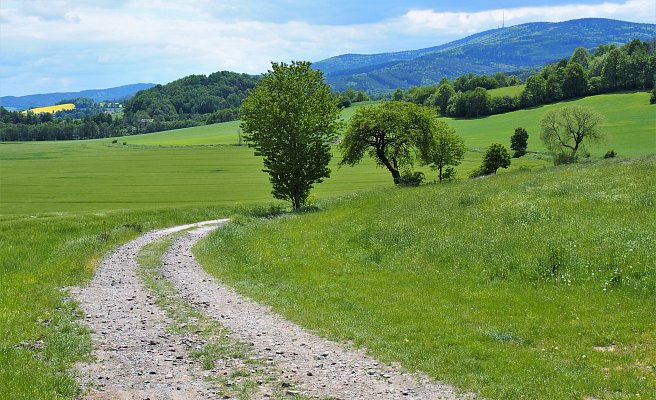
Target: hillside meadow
{"x":525,"y":285}
{"x":64,"y":204}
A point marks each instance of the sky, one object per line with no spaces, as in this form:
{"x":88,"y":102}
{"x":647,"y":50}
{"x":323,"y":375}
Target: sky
{"x":72,"y":45}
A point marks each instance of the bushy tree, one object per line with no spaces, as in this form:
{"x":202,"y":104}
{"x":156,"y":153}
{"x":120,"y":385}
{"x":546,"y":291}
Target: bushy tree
{"x":496,"y":156}
{"x":441,"y":97}
{"x":564,"y":131}
{"x":534,"y":92}
{"x":478,"y":102}
{"x":290,"y":118}
{"x":519,"y":142}
{"x":392,"y":132}
{"x":446,"y":150}
{"x":398,"y":95}
{"x":581,"y":56}
{"x":575,"y":83}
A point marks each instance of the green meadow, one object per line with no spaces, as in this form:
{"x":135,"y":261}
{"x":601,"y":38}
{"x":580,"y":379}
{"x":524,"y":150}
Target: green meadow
{"x":525,"y":285}
{"x":513,"y":91}
{"x":65,"y":204}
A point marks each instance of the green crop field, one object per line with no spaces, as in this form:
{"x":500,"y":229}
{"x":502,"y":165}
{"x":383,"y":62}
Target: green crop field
{"x":223,"y":133}
{"x":526,"y":285}
{"x":64,"y":204}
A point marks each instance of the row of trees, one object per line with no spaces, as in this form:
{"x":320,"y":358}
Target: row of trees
{"x":291,"y":118}
{"x":45,"y":127}
{"x":609,"y":68}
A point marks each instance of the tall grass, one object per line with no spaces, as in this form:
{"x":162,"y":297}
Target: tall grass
{"x":534,"y":285}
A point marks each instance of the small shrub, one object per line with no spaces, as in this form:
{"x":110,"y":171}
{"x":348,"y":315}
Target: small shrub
{"x":652,"y":99}
{"x":410,"y":178}
{"x":610,"y":154}
{"x":270,"y":211}
{"x":562,"y":158}
{"x":134,"y":226}
{"x":114,"y":141}
{"x":125,"y":143}
{"x":480,"y":171}
{"x":448,"y":174}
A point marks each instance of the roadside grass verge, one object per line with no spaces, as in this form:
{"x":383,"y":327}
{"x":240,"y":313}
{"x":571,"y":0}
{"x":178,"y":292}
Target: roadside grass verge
{"x":536,"y":285}
{"x":244,"y":373}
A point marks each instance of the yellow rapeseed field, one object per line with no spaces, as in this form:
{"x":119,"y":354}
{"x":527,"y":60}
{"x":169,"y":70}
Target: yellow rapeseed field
{"x":53,"y":109}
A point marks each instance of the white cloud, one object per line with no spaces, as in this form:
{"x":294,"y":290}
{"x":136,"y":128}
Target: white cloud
{"x":424,"y":21}
{"x":107,"y":43}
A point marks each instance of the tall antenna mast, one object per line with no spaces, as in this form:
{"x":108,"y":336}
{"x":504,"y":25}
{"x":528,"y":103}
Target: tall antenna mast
{"x":503,"y":19}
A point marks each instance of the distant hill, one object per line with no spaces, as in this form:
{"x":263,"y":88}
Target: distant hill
{"x":499,"y":50}
{"x":46,"y":99}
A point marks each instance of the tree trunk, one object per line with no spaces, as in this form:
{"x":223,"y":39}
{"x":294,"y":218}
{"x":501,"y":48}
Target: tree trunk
{"x":396,"y":175}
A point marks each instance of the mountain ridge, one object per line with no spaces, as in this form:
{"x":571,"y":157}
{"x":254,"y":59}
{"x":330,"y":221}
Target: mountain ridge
{"x":506,"y":49}
{"x":46,"y":99}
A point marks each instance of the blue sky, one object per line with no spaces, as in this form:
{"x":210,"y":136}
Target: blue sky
{"x":67,"y":45}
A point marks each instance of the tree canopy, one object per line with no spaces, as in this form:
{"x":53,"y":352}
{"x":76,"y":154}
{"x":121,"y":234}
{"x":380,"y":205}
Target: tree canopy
{"x":290,"y":118}
{"x":393,"y":133}
{"x":446,"y":149}
{"x":519,"y":142}
{"x":565,"y":129}
{"x":496,"y":156}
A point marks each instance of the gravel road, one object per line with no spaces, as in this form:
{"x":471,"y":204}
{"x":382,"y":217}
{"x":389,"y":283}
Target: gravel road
{"x":137,"y":357}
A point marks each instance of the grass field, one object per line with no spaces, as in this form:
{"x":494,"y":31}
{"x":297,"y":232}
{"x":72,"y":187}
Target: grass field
{"x":537,"y":285}
{"x":223,"y":133}
{"x":630,"y":122}
{"x":64,"y":204}
{"x":513,"y":91}
{"x":630,"y":125}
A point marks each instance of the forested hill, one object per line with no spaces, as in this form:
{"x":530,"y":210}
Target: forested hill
{"x":194,"y":98}
{"x":47,"y":99}
{"x":500,"y":50}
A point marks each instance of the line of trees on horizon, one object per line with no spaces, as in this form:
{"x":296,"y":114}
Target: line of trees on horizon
{"x":608,"y":69}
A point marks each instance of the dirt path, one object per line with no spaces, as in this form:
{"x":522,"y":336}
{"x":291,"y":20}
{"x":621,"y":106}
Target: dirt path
{"x":137,"y":358}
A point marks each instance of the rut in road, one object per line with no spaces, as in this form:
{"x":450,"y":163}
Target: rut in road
{"x":139,"y":358}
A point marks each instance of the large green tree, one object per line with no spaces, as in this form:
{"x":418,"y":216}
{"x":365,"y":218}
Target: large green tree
{"x":393,"y":133}
{"x":564,"y":131}
{"x":290,"y":118}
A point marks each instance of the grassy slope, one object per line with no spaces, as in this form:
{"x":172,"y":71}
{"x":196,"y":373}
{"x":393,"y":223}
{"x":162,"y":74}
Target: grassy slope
{"x":93,"y":175}
{"x":502,"y":285}
{"x":223,"y":133}
{"x":95,"y":194}
{"x":512,"y":91}
{"x":630,"y":122}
